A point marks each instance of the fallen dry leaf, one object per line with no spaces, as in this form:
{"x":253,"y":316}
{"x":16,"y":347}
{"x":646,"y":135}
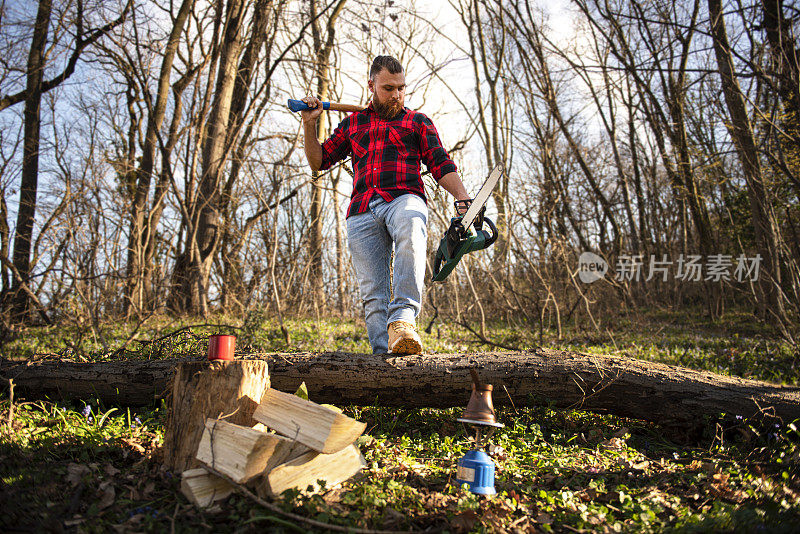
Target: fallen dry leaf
{"x":496,"y":451}
{"x":393,"y":516}
{"x":726,"y":492}
{"x":333,"y":496}
{"x":110,"y":470}
{"x":129,"y":526}
{"x":621,"y":432}
{"x":614,"y":444}
{"x":74,"y":522}
{"x":464,"y":521}
{"x":108,"y":494}
{"x":133,"y":444}
{"x":436,"y":501}
{"x":720,"y":478}
{"x":76,"y":472}
{"x":148,"y":489}
{"x":597,"y":519}
{"x":644,"y":464}
{"x":134,"y":493}
{"x":719,"y":487}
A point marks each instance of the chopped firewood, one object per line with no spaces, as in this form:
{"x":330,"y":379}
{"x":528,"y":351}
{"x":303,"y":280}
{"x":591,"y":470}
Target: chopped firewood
{"x":203,"y":389}
{"x":242,"y":453}
{"x":309,"y":469}
{"x":203,"y":488}
{"x":315,"y":426}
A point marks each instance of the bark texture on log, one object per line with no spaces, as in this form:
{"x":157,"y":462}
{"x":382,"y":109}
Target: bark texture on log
{"x":129,"y":383}
{"x":209,"y":389}
{"x":607,"y":384}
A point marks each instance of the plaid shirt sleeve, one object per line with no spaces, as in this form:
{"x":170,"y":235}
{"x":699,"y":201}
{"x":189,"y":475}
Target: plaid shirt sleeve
{"x":432,"y":153}
{"x":337,"y":146}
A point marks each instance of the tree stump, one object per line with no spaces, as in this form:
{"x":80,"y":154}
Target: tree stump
{"x":203,"y":389}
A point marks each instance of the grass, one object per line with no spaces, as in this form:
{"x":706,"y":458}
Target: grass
{"x":85,"y":467}
{"x":95,"y":470}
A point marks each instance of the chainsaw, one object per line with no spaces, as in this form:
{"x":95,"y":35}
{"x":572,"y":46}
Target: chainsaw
{"x":459,"y":239}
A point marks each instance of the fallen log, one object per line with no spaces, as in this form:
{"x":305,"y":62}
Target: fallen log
{"x":622,"y":386}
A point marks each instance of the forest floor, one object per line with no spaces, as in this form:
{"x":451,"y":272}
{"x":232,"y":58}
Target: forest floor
{"x":87,"y":467}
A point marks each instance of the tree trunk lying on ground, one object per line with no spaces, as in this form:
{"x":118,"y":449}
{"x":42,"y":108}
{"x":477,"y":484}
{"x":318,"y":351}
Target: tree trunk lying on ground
{"x":622,"y":386}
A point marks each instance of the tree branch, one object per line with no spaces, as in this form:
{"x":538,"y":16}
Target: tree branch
{"x":80,"y":45}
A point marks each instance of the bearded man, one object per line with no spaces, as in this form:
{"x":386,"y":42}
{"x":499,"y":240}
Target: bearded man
{"x":388,"y":205}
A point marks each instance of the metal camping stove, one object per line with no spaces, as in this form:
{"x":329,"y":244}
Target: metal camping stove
{"x":476,"y":468}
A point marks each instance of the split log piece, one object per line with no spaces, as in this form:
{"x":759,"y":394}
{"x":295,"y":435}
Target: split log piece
{"x":209,"y":389}
{"x":317,"y":427}
{"x":202,"y":488}
{"x":243,"y":453}
{"x":308,"y":469}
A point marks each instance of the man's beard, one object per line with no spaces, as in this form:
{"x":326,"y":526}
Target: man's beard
{"x":387,"y":110}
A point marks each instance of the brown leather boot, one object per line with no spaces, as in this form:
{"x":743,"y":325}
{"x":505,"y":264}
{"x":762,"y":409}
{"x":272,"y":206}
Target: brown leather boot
{"x":403,"y":338}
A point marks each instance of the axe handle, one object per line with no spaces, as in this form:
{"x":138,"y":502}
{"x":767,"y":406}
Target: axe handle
{"x":299,"y":105}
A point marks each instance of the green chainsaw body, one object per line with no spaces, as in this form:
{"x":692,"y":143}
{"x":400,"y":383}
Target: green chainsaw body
{"x":458,"y":241}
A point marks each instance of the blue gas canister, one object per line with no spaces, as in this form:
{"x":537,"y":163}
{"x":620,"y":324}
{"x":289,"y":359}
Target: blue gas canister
{"x":477,"y":470}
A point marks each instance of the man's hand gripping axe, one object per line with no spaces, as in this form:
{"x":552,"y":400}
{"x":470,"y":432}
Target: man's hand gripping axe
{"x":299,"y":105}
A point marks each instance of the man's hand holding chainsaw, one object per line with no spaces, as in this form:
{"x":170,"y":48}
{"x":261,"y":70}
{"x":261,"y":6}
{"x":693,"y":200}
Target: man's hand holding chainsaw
{"x":388,"y":142}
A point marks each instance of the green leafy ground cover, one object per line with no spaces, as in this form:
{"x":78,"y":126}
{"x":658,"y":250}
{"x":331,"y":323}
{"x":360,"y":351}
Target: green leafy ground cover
{"x":92,"y":468}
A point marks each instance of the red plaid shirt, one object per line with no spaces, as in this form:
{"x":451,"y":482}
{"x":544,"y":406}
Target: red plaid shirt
{"x":386,"y":155}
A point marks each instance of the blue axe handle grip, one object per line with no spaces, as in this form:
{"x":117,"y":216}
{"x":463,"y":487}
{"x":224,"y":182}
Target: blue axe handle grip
{"x":299,"y":105}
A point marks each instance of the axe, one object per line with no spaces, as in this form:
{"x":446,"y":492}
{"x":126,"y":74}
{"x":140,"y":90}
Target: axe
{"x":299,"y":105}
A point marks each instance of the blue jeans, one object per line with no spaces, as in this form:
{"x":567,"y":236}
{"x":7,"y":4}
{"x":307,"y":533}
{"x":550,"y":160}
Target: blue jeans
{"x":370,"y":235}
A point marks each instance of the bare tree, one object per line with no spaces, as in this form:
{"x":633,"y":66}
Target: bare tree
{"x":323,"y":33}
{"x":32,"y":95}
{"x":30,"y":161}
{"x":487,"y":29}
{"x":143,"y":220}
{"x":741,"y":131}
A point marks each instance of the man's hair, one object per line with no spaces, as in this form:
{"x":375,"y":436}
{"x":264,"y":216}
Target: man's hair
{"x":384,"y":62}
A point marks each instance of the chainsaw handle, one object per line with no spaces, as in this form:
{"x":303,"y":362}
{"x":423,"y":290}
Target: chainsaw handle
{"x":493,"y":229}
{"x":437,"y":263}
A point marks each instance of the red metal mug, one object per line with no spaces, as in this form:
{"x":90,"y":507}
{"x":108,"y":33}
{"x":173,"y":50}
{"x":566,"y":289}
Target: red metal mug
{"x":221,"y":347}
